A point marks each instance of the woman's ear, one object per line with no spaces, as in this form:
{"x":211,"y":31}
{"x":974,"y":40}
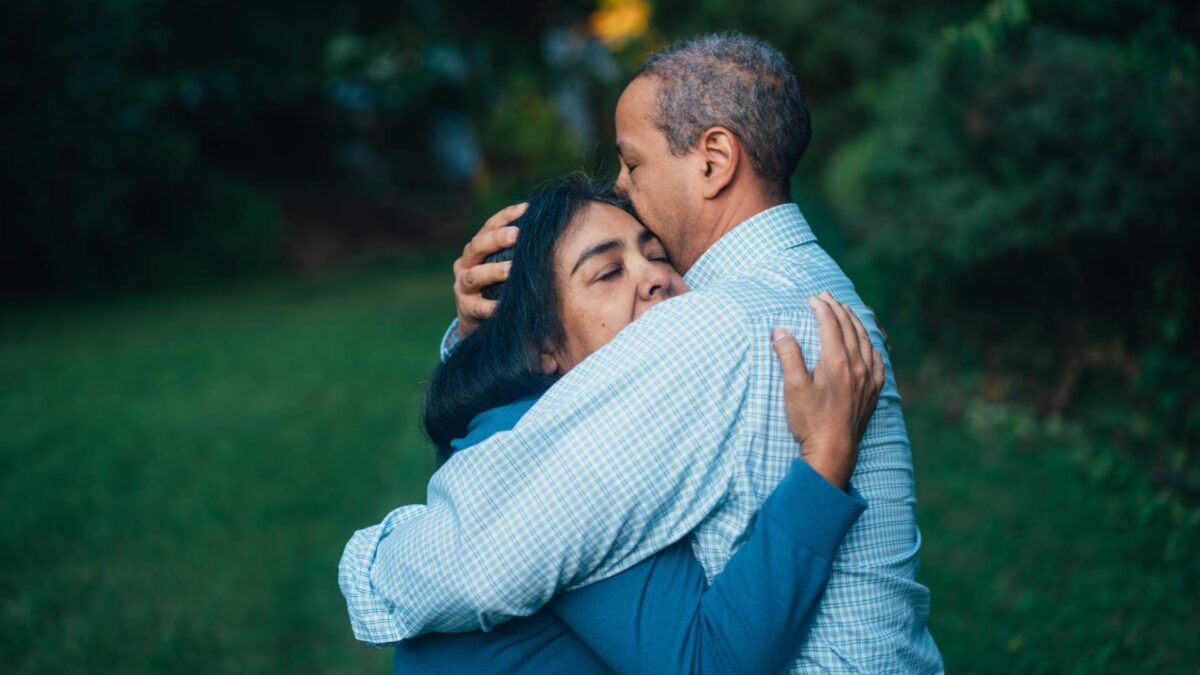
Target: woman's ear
{"x":721,"y":153}
{"x":549,"y":363}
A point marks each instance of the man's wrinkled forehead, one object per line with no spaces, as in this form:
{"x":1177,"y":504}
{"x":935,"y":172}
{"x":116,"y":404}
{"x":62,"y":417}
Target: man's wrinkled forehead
{"x":636,"y":114}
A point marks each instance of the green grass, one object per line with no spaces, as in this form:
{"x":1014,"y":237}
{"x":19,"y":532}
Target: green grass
{"x":178,"y":476}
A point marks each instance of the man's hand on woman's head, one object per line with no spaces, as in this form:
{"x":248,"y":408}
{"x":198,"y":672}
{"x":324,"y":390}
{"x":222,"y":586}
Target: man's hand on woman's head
{"x":472,"y":274}
{"x":829,"y":407}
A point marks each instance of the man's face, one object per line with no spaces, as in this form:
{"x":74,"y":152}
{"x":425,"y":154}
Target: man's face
{"x":659,"y":184}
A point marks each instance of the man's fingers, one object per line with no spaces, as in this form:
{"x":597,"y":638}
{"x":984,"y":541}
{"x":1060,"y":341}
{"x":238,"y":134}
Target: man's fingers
{"x":479,"y":277}
{"x":795,"y":371}
{"x":504,"y":216}
{"x":486,"y":243}
{"x":478,"y":308}
{"x":833,"y":345}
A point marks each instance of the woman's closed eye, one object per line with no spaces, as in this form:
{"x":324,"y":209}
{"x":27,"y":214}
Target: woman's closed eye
{"x":654,"y":253}
{"x":610,"y":273}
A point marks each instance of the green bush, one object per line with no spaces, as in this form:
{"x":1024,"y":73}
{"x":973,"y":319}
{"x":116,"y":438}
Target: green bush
{"x":1027,"y":188}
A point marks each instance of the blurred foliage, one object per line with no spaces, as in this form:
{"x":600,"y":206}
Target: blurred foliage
{"x":1012,"y":183}
{"x":1027,"y":185}
{"x":149,"y":141}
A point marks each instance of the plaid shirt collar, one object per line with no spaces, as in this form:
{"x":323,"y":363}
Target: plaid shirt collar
{"x":756,"y":239}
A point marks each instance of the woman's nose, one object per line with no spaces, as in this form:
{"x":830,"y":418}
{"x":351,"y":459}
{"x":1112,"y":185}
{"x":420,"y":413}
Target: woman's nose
{"x":656,"y":282}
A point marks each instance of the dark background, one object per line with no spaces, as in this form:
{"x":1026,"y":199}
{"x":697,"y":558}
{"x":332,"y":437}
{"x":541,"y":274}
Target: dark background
{"x":224,"y":269}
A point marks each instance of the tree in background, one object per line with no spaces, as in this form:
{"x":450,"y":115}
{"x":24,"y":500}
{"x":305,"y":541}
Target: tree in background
{"x":150,"y":141}
{"x":1026,"y":189}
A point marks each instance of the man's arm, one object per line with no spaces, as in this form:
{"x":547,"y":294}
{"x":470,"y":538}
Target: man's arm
{"x":628,"y":453}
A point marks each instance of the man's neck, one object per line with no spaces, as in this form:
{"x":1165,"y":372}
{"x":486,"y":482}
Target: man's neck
{"x":724,"y":215}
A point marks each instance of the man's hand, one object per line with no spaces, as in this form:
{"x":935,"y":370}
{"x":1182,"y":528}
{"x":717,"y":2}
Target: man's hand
{"x":828,"y":408}
{"x":472,"y":274}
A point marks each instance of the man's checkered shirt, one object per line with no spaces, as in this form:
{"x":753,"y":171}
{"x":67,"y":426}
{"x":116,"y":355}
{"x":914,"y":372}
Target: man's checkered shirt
{"x":676,"y":427}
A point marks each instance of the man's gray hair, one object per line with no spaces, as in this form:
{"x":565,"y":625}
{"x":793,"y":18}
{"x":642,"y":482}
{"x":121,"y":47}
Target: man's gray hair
{"x":738,"y":82}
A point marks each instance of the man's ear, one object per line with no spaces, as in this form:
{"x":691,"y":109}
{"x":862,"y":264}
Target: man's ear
{"x":721,"y":153}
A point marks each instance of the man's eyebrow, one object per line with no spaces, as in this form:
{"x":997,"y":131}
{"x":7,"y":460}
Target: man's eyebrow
{"x":619,"y":153}
{"x":602,"y":247}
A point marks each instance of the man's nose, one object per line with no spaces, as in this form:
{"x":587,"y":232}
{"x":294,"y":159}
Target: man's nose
{"x":621,"y":184}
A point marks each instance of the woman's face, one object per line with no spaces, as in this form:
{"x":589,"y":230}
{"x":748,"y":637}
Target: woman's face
{"x":609,"y":270}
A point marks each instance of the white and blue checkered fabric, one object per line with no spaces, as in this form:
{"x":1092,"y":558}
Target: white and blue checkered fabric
{"x":675,"y":427}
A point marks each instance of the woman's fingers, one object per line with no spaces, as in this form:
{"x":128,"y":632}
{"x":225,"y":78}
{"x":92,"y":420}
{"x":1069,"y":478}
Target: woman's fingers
{"x":796,"y":377}
{"x":849,"y":337}
{"x":833,"y":343}
{"x":858,"y":369}
{"x":878,"y":374}
{"x":854,"y":334}
{"x":864,"y":340}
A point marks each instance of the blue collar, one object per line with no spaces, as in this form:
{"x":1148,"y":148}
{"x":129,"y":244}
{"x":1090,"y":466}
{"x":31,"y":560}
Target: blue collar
{"x":495,"y":420}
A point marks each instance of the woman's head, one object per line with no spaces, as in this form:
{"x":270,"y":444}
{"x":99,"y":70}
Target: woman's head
{"x":582,"y":269}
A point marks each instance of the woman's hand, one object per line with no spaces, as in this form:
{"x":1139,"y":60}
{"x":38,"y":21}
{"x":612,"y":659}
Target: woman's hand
{"x":828,"y":408}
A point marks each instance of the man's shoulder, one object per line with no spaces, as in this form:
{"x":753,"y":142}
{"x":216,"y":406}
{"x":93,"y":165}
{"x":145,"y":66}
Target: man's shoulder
{"x":779,"y":287}
{"x":731,"y":313}
{"x":712,"y":311}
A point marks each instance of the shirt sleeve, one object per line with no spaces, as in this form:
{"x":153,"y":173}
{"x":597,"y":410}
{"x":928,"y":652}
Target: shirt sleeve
{"x":623,"y":456}
{"x":450,"y":340}
{"x":659,"y":617}
{"x":541,"y":643}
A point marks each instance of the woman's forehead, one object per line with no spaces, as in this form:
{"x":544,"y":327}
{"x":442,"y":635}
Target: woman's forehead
{"x":600,"y":221}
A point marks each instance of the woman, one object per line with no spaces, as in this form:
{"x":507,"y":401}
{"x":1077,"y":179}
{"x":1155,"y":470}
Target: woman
{"x":582,"y":270}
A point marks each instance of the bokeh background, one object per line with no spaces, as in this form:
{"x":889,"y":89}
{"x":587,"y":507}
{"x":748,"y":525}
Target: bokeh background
{"x":227,"y":232}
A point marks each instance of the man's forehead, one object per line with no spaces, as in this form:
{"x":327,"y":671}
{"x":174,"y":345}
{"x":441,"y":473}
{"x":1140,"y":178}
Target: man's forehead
{"x":635,"y":112}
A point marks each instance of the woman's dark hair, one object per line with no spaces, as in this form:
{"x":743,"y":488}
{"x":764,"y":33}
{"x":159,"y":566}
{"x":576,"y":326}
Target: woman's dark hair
{"x":500,"y":361}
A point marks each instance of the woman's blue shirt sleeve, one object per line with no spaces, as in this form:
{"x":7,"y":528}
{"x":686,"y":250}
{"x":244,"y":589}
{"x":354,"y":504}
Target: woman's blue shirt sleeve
{"x":661,"y":616}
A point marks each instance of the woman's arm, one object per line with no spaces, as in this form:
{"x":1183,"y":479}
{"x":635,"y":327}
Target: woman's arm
{"x":660,"y":616}
{"x":540,"y":643}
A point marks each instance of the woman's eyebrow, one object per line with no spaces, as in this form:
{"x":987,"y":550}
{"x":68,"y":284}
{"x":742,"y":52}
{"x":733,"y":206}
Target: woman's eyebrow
{"x":645,"y":237}
{"x":603,"y":247}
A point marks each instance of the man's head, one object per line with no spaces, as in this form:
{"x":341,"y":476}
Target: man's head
{"x":707,"y":128}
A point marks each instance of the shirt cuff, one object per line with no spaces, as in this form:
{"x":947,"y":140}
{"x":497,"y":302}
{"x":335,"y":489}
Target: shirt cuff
{"x":450,"y":339}
{"x":813,"y":510}
{"x":373,"y":618}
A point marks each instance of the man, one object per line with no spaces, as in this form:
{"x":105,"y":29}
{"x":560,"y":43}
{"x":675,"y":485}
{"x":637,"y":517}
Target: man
{"x":677,"y":427}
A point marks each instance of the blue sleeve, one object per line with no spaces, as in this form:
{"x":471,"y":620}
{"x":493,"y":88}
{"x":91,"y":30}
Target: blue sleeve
{"x":659,"y":617}
{"x":540,"y":643}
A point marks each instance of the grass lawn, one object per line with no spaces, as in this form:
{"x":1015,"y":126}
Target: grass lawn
{"x":178,"y":476}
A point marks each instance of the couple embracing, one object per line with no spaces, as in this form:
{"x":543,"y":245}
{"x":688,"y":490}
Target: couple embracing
{"x":671,"y":439}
